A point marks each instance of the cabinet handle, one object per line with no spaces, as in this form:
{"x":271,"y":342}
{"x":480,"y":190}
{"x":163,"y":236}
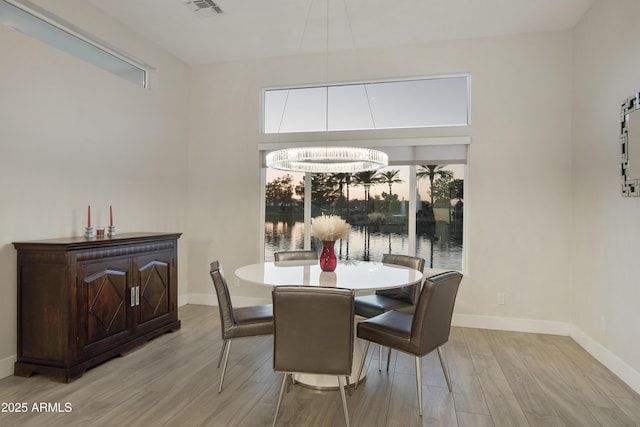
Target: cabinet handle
{"x":135,"y":295}
{"x":132,"y":294}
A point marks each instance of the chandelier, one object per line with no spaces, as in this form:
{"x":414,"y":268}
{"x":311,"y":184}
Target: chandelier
{"x":327,"y":159}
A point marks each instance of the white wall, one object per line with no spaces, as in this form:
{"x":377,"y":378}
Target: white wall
{"x":519,"y":205}
{"x":73,"y":135}
{"x":546,"y":223}
{"x":605,"y":244}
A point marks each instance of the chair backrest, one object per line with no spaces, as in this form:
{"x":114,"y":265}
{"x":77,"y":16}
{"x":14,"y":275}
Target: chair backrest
{"x":295,"y":255}
{"x":432,"y":317}
{"x":409,"y":293}
{"x":313,"y":330}
{"x":224,"y":298}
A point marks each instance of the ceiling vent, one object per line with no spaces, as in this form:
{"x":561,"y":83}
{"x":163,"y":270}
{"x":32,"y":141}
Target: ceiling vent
{"x":203,"y":7}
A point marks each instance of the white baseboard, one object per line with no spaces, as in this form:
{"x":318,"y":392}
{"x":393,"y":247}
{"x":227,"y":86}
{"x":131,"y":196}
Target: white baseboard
{"x":6,"y":366}
{"x":616,"y":365}
{"x":511,"y":324}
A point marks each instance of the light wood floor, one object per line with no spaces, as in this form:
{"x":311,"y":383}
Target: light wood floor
{"x":499,"y":379}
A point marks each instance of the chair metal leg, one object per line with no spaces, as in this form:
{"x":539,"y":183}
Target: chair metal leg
{"x":445,"y":369}
{"x":348,"y":385}
{"x":224,"y":366}
{"x":364,"y":357}
{"x":224,"y":346}
{"x":388,"y":358}
{"x":379,"y":358}
{"x":288,"y":387}
{"x":419,"y":383}
{"x":344,"y":400}
{"x":282,"y":387}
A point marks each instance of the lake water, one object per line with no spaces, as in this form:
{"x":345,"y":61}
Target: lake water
{"x":439,"y":252}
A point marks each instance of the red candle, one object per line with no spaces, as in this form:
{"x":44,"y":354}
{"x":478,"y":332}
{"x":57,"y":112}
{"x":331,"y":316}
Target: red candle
{"x":89,"y":216}
{"x":110,"y":216}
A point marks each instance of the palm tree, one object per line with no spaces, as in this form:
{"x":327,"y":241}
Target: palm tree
{"x":390,"y":177}
{"x":431,"y":171}
{"x":367,"y":179}
{"x":344,"y":180}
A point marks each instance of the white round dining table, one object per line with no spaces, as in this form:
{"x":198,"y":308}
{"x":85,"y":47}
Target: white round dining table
{"x":355,"y":275}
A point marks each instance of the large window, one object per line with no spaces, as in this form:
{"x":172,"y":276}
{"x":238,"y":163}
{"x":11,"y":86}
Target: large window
{"x":381,"y":208}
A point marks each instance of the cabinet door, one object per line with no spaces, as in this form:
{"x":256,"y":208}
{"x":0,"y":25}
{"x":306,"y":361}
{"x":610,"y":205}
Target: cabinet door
{"x":155,"y":276}
{"x":103,"y":298}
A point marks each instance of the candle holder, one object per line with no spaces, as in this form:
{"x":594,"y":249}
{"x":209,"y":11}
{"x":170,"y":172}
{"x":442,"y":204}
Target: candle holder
{"x":100,"y":232}
{"x":111,"y":231}
{"x":88,"y":232}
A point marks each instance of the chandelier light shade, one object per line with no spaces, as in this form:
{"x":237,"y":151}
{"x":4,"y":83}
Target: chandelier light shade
{"x":327,"y":159}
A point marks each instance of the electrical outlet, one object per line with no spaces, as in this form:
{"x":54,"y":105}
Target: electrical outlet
{"x":500,"y":298}
{"x":603,"y":323}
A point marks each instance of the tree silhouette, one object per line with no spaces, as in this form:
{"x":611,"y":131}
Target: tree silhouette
{"x":431,"y":172}
{"x":456,"y":188}
{"x":324,"y":191}
{"x":390,"y":177}
{"x":367,"y":179}
{"x":344,"y":182}
{"x":279,"y":192}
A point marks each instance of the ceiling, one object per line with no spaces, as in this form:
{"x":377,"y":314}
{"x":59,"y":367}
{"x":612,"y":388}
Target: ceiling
{"x":249,"y":29}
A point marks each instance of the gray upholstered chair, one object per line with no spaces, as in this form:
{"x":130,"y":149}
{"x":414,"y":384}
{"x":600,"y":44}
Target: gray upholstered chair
{"x":239,"y":322}
{"x":391,"y":299}
{"x":383,"y":300}
{"x":420,"y":333}
{"x":298,"y":255}
{"x":313,"y":333}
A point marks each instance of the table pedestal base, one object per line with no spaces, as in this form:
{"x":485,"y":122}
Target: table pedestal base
{"x":330,"y":382}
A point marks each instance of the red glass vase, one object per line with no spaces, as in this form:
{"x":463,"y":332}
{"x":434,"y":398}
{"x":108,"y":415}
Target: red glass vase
{"x":328,"y":261}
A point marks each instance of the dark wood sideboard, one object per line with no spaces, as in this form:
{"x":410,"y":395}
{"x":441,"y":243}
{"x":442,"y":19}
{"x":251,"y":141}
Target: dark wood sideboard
{"x":82,"y":301}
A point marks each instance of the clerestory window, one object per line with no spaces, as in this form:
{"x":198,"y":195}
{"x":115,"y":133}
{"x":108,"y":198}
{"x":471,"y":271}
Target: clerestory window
{"x":429,"y":102}
{"x":40,"y":24}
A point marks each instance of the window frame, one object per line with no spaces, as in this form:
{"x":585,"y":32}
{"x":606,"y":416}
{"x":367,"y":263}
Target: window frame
{"x":399,"y":155}
{"x":264,"y":90}
{"x":440,"y":145}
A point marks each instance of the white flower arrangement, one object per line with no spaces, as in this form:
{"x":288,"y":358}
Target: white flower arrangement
{"x":329,"y":227}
